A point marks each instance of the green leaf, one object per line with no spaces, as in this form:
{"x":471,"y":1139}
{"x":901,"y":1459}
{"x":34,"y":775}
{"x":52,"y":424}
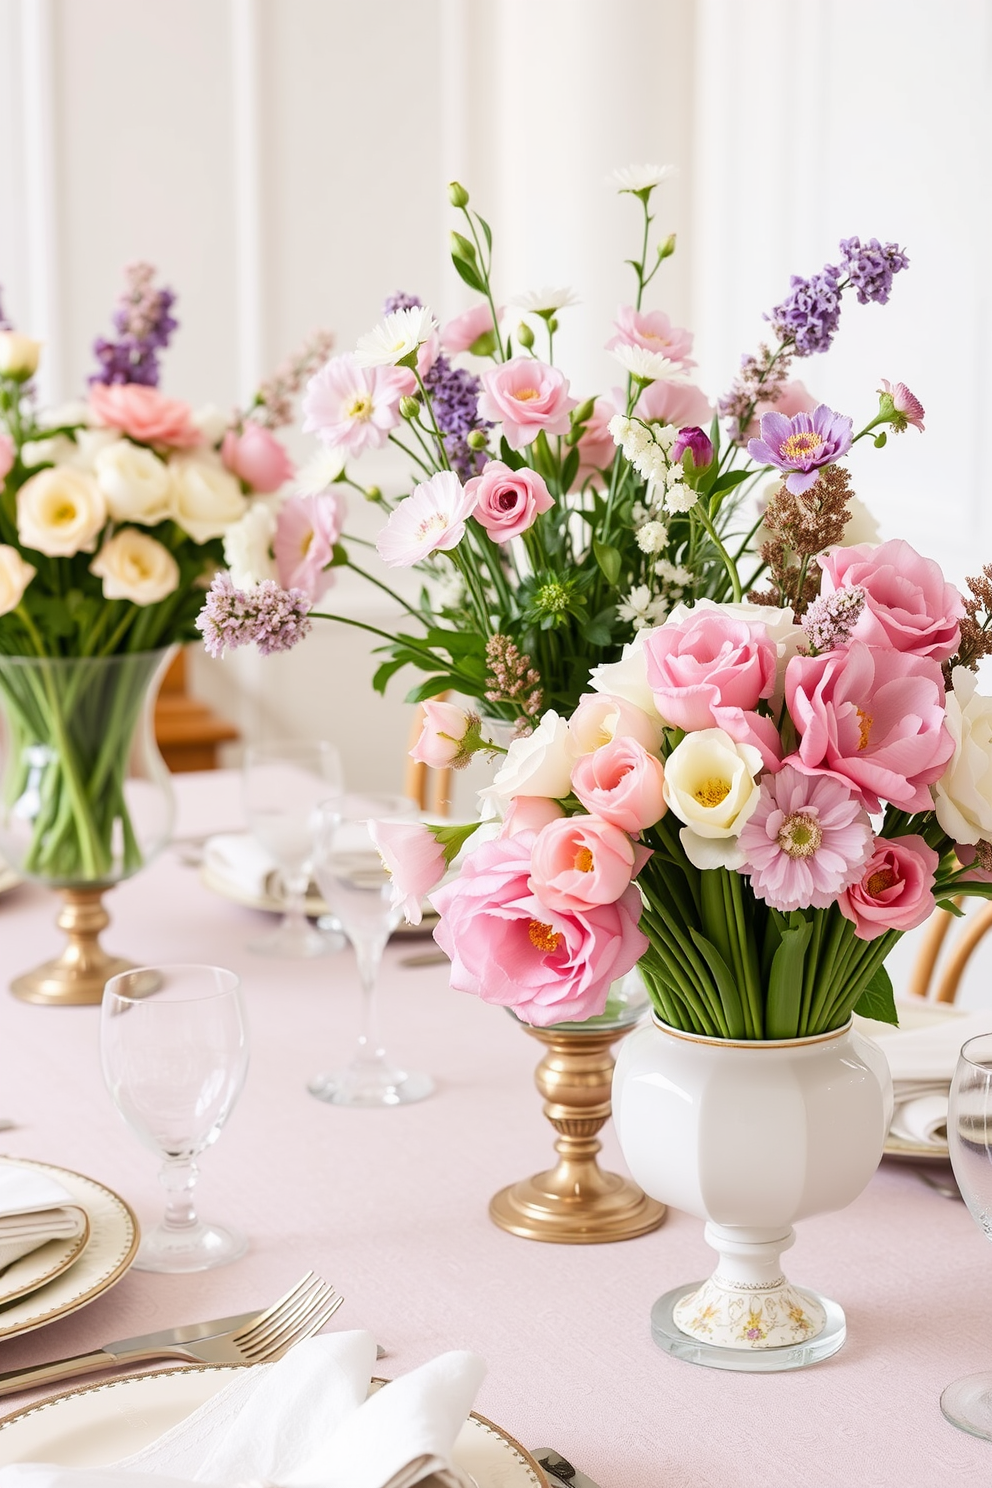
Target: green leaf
{"x":569,"y":470}
{"x":383,"y":674}
{"x":877,"y":1000}
{"x":596,"y":633}
{"x":510,"y":457}
{"x":431,"y":688}
{"x":728,"y":480}
{"x":470,"y":274}
{"x":486,"y":230}
{"x":785,"y":980}
{"x":730,"y":997}
{"x":609,"y":560}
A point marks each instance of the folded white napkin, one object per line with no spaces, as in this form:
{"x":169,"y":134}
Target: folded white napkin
{"x":921,"y":1119}
{"x":922,"y":1054}
{"x":34,"y":1209}
{"x":240,"y":861}
{"x":302,"y":1423}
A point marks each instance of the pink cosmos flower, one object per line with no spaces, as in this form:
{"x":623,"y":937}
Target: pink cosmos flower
{"x":307,"y":528}
{"x":256,"y":457}
{"x":6,"y":455}
{"x":509,"y":948}
{"x":144,"y":414}
{"x":904,"y":403}
{"x":653,"y":330}
{"x":807,"y":840}
{"x":462,"y":333}
{"x":908,"y":603}
{"x":414,"y":860}
{"x":580,"y":862}
{"x":623,"y":784}
{"x":444,"y":727}
{"x":530,"y":814}
{"x":526,"y":396}
{"x":709,"y":669}
{"x":431,"y":519}
{"x":893,"y":890}
{"x":596,"y":447}
{"x":873,"y":717}
{"x":354,"y":407}
{"x":678,"y":403}
{"x":508,"y":501}
{"x":803,"y":444}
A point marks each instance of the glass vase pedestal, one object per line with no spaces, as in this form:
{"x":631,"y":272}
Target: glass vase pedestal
{"x":78,"y":976}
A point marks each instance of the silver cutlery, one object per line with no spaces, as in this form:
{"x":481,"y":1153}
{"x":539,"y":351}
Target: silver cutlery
{"x":249,"y":1338}
{"x":947,"y":1190}
{"x":559,"y":1470}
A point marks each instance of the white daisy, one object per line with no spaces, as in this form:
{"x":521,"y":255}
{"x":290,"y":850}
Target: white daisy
{"x":396,"y":337}
{"x":545,"y":301}
{"x":321,"y":471}
{"x":648,"y":366}
{"x":641,"y":177}
{"x":671,"y":573}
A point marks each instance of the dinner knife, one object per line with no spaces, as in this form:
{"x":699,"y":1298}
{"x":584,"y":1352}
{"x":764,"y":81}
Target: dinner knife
{"x":560,"y":1472}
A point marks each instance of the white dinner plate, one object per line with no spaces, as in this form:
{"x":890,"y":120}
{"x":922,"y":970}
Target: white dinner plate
{"x":42,"y":1265}
{"x":272,"y":901}
{"x":95,"y":1425}
{"x":113,"y":1243}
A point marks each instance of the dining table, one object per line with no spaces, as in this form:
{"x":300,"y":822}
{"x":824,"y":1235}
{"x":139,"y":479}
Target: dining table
{"x":391,"y":1206}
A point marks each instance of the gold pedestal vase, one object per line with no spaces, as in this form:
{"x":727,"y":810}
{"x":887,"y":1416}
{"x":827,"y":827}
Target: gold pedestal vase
{"x":85,"y":798}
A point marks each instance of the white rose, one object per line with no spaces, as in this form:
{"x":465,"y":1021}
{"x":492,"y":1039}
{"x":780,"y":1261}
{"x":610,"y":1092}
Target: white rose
{"x":964,"y":791}
{"x":15,"y":576}
{"x":538,"y":765}
{"x":18,"y":355}
{"x":59,"y":450}
{"x":60,"y":512}
{"x":628,"y":678}
{"x":134,"y":566}
{"x":136,"y":483}
{"x":862,"y":528}
{"x":212,"y":423}
{"x":248,"y":546}
{"x":206,"y":498}
{"x":711,"y":785}
{"x":65,"y":414}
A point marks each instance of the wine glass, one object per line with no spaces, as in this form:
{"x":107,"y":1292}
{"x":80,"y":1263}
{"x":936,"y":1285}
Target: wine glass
{"x":174,"y":1049}
{"x":967,"y":1403}
{"x":283,"y":784}
{"x":355,"y":884}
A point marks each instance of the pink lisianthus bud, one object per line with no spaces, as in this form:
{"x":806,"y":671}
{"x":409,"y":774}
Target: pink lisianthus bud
{"x":508,"y":501}
{"x":530,"y":814}
{"x":442,"y":736}
{"x":622,"y":784}
{"x":7,"y":453}
{"x":257,"y":458}
{"x":307,"y":529}
{"x":900,"y":406}
{"x":895,"y":890}
{"x":698,"y":445}
{"x":414,"y":860}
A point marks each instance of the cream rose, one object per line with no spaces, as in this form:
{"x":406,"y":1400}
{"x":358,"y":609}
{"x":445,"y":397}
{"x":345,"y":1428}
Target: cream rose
{"x":964,"y":791}
{"x":60,"y":512}
{"x":538,"y":765}
{"x":18,"y":355}
{"x":711,"y":785}
{"x":206,"y":498}
{"x":136,"y":483}
{"x":15,"y":576}
{"x":248,"y":546}
{"x":134,"y":566}
{"x":628,"y":678}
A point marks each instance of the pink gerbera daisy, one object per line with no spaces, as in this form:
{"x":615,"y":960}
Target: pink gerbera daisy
{"x":806,"y":841}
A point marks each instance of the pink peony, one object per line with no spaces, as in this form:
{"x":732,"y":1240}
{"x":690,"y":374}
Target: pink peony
{"x":414,"y":860}
{"x":257,"y":458}
{"x":7,"y":453}
{"x":462,"y":333}
{"x":873,"y":717}
{"x":444,"y":727}
{"x":526,"y":396}
{"x":144,"y":414}
{"x":653,"y":330}
{"x":596,"y":447}
{"x":508,"y":501}
{"x":806,"y":840}
{"x":622,"y":783}
{"x":508,"y":948}
{"x":307,"y":529}
{"x":580,"y":862}
{"x":709,"y":669}
{"x":677,"y":403}
{"x":431,"y":519}
{"x":908,"y":603}
{"x":530,"y":814}
{"x":894,"y":890}
{"x":352,"y":407}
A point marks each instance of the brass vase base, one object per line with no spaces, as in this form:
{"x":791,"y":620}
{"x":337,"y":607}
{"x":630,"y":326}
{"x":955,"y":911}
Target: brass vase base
{"x":576,"y":1203}
{"x":78,"y":976}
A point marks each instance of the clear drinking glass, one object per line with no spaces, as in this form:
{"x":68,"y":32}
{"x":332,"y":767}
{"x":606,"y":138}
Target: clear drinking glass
{"x":356,"y":886}
{"x":967,"y":1403}
{"x":284,"y":783}
{"x":174,"y":1048}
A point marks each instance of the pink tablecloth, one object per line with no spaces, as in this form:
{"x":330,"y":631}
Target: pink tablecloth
{"x":391,"y":1207}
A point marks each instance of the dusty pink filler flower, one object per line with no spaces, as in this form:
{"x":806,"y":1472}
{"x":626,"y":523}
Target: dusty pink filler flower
{"x":414,"y":860}
{"x":307,"y":529}
{"x":806,"y":841}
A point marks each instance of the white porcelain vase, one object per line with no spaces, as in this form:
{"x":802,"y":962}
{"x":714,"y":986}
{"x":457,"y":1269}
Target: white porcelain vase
{"x":750,"y":1137}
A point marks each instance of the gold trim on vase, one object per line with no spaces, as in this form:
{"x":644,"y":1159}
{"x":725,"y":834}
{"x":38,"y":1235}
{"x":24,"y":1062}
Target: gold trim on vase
{"x":728,"y":1043}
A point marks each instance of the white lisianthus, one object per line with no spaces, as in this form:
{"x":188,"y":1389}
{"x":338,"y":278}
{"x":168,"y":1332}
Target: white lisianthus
{"x":89,"y":443}
{"x":538,"y":765}
{"x":599,"y":718}
{"x":136,"y":483}
{"x":964,"y":791}
{"x":641,"y":177}
{"x":321,"y":471}
{"x":62,"y":415}
{"x":205,"y":497}
{"x":711,"y":785}
{"x":648,"y":366}
{"x":18,"y":355}
{"x":134,"y":566}
{"x":396,"y":337}
{"x":58,"y":450}
{"x":15,"y":576}
{"x":248,"y":546}
{"x":545,"y":301}
{"x":212,"y":422}
{"x":60,"y":512}
{"x":627,"y":678}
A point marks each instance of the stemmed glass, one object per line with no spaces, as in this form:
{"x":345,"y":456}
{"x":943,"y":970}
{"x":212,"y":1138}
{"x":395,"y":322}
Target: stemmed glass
{"x":283,"y":784}
{"x":967,"y":1403}
{"x":356,"y":886}
{"x":174,"y":1049}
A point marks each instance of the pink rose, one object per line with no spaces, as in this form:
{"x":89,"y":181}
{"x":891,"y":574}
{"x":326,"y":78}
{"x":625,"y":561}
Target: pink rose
{"x":462,"y":333}
{"x":908,"y":603}
{"x":596,"y":447}
{"x":600,"y":718}
{"x":709,"y":669}
{"x":678,"y":403}
{"x":7,"y":453}
{"x":623,"y":784}
{"x":144,"y":415}
{"x":307,"y":528}
{"x":653,"y":330}
{"x":508,"y":501}
{"x":580,"y":862}
{"x":510,"y":949}
{"x":256,"y":458}
{"x":894,"y":891}
{"x":873,"y":717}
{"x":414,"y":860}
{"x":530,"y":814}
{"x":445,"y":726}
{"x":526,"y":396}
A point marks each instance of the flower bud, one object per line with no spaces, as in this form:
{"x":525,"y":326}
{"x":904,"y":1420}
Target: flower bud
{"x":409,"y":407}
{"x":881,"y":440}
{"x":457,"y":195}
{"x":373,"y":493}
{"x":552,"y":323}
{"x":476,"y":439}
{"x":18,"y":356}
{"x":525,"y":335}
{"x":694,"y":442}
{"x":667,"y":248}
{"x":584,"y":412}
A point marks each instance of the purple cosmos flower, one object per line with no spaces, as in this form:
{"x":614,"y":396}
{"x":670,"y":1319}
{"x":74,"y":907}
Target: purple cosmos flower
{"x":802,"y":444}
{"x":870,"y":268}
{"x":698,"y":443}
{"x":274,"y":619}
{"x":810,"y":312}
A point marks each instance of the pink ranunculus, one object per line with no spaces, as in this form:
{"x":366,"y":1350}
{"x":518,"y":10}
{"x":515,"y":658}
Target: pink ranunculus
{"x":874,"y":717}
{"x":508,"y":501}
{"x":908,"y":603}
{"x":596,"y":447}
{"x":144,"y":415}
{"x":7,"y":453}
{"x":462,"y":333}
{"x":600,"y":718}
{"x":307,"y":528}
{"x":653,"y":330}
{"x":580,"y":862}
{"x":256,"y":457}
{"x":678,"y":403}
{"x":444,"y":727}
{"x":530,"y":814}
{"x":793,"y":398}
{"x":895,"y":889}
{"x":709,"y":670}
{"x":354,"y":408}
{"x":622,"y":784}
{"x":509,"y":948}
{"x":414,"y":860}
{"x":526,"y":396}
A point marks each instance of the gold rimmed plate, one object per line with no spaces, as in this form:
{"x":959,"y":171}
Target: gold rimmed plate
{"x":39,"y":1266}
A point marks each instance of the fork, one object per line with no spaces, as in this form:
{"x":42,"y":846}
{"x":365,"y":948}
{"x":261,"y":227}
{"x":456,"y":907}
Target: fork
{"x":250,"y":1338}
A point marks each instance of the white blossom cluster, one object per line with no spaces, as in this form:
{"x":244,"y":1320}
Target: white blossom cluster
{"x":648,"y":449}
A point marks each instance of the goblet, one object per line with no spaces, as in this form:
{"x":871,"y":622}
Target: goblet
{"x":967,"y":1403}
{"x":284,"y":782}
{"x":356,"y":886}
{"x":174,"y":1049}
